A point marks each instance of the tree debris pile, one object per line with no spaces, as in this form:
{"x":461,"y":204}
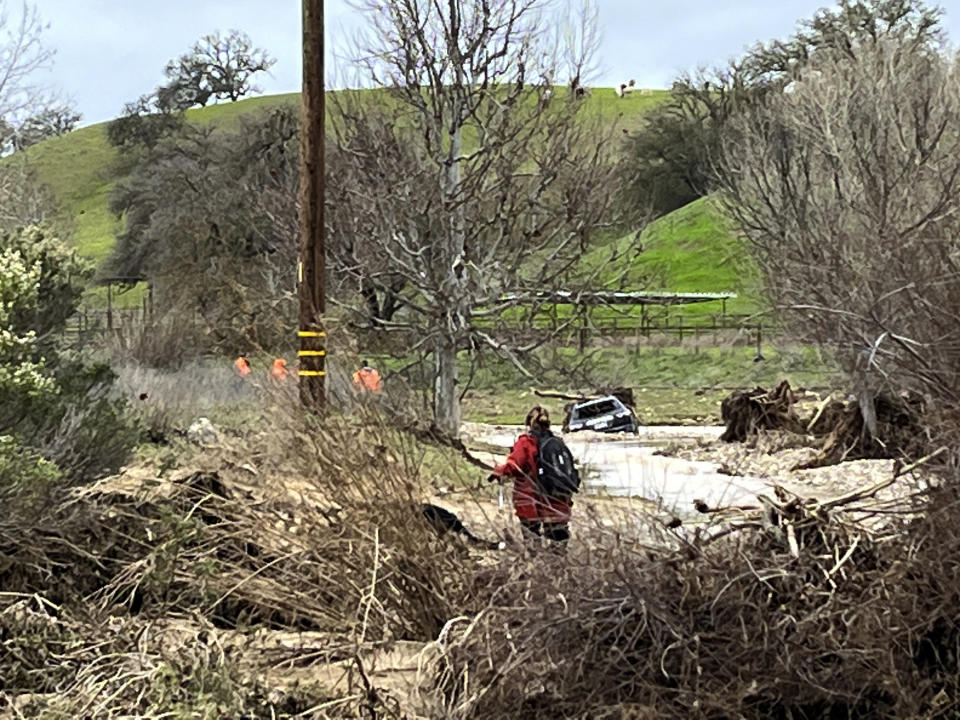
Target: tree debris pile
{"x":59,"y":661}
{"x":746,"y":413}
{"x":345,"y":556}
{"x":179,"y":595}
{"x":896,"y":421}
{"x":897,"y":431}
{"x":790,"y":611}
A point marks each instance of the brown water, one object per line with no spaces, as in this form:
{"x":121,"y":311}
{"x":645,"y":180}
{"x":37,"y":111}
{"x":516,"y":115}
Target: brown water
{"x":627,"y":466}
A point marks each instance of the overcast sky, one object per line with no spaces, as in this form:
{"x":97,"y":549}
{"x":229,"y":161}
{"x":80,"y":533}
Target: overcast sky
{"x":112,"y":51}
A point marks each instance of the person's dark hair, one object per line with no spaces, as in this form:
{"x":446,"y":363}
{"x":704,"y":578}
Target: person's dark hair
{"x":538,"y":418}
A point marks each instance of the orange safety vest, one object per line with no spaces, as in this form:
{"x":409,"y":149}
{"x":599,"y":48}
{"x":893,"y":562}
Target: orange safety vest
{"x":279,"y":369}
{"x":242,"y":365}
{"x":368,"y":378}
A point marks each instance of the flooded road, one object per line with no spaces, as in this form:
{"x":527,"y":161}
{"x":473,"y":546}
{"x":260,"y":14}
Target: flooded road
{"x":627,"y":466}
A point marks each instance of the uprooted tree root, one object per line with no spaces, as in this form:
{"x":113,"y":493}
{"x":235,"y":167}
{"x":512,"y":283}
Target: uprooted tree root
{"x":898,"y":431}
{"x":746,"y":413}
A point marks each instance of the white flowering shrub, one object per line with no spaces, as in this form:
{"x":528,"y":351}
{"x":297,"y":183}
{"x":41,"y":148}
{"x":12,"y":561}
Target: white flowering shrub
{"x":21,"y":371}
{"x":58,"y":412}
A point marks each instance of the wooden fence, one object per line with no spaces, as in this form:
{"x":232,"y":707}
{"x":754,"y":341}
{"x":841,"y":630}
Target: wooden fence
{"x":91,"y":327}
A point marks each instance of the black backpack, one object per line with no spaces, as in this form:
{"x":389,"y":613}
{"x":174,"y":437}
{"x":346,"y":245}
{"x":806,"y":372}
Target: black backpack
{"x":558,"y":476}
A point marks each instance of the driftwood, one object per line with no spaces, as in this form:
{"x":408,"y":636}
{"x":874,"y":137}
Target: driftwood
{"x":746,"y":413}
{"x":898,"y":432}
{"x":558,"y":395}
{"x":826,"y":417}
{"x":623,"y":394}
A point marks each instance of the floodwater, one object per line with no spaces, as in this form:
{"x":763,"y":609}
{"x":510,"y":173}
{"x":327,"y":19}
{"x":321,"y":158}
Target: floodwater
{"x":627,"y":466}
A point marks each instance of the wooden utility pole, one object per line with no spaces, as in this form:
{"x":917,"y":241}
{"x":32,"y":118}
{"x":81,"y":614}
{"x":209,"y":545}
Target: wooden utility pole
{"x":313,"y":344}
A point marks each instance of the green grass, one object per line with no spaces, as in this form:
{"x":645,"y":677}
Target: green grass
{"x":693,"y":249}
{"x":672,"y":385}
{"x":78,"y":168}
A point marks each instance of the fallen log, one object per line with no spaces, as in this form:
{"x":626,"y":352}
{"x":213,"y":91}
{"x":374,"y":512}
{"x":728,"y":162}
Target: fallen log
{"x":623,"y":394}
{"x":558,"y":395}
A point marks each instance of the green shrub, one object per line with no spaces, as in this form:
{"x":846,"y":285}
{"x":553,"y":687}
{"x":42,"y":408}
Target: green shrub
{"x":56,"y":406}
{"x":24,"y":475}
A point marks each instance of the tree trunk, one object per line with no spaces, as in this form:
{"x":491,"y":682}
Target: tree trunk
{"x":446,"y":406}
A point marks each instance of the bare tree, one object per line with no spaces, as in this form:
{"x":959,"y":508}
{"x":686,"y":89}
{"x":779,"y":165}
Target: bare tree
{"x":24,"y":200}
{"x":469,"y":183}
{"x":21,"y":55}
{"x":848,"y":187}
{"x":218,"y":67}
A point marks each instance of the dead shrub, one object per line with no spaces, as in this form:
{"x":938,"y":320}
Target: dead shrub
{"x":164,"y":341}
{"x":311,"y":527}
{"x":113,"y":667}
{"x":800,"y":615}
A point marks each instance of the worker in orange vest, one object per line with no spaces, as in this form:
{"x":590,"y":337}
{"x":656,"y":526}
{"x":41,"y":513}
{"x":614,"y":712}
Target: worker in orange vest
{"x":242,"y":365}
{"x":279,"y":370}
{"x":367,"y":378}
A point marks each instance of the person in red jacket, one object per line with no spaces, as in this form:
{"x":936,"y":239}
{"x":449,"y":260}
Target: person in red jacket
{"x":539,"y":514}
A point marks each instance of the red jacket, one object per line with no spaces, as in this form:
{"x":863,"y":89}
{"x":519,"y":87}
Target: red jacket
{"x":528,"y":502}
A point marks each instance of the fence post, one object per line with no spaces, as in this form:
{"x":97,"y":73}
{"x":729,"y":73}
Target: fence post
{"x":680,"y":329}
{"x":759,"y":356}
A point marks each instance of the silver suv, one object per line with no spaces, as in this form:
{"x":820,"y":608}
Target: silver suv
{"x":606,"y":414}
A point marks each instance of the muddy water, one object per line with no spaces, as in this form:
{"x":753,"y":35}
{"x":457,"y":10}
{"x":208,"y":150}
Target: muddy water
{"x":627,"y":466}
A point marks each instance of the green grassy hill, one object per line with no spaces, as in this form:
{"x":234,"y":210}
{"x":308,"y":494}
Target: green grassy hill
{"x":691,"y":249}
{"x":80,"y":168}
{"x":694,"y":249}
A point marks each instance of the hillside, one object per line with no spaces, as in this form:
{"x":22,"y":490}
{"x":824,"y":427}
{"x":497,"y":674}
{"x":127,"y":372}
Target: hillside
{"x":688,"y":250}
{"x":694,"y":249}
{"x":81,"y":168}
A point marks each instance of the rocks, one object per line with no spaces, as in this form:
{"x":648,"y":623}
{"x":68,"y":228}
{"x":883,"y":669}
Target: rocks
{"x":202,"y":432}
